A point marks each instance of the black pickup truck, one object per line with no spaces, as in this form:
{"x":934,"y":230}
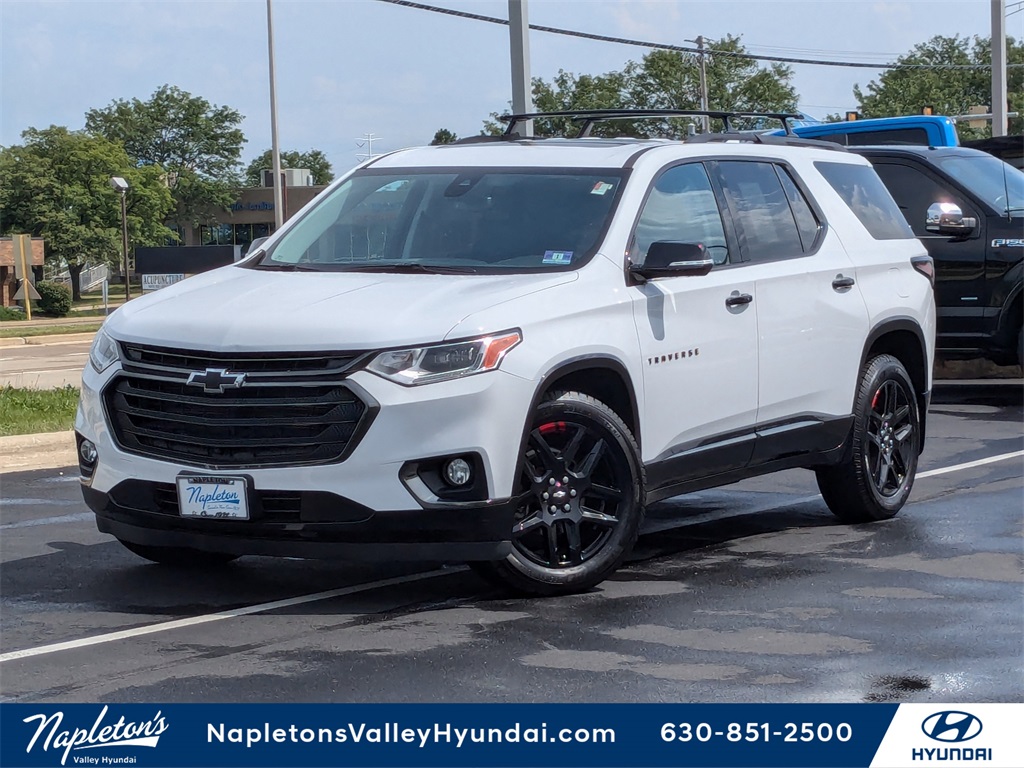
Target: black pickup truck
{"x":967,"y":207}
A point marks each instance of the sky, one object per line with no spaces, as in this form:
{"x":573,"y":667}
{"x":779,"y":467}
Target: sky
{"x":348,"y":68}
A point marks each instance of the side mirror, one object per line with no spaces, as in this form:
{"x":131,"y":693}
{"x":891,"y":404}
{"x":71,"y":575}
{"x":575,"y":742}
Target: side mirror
{"x":948,"y":219}
{"x":255,"y":245}
{"x":667,"y":258}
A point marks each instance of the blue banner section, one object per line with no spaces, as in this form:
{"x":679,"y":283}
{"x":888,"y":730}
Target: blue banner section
{"x":537,"y":735}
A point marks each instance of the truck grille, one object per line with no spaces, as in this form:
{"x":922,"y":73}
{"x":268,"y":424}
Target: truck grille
{"x":287,"y":410}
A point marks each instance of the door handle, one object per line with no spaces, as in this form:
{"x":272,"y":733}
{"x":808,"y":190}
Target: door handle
{"x":738,"y":299}
{"x":842,"y":283}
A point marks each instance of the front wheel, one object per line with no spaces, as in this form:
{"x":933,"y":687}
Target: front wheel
{"x":581,"y":499}
{"x":875,"y":479}
{"x":182,"y":557}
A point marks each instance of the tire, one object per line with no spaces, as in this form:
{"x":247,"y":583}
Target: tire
{"x":579,"y":454}
{"x":182,"y":557}
{"x":877,"y":473}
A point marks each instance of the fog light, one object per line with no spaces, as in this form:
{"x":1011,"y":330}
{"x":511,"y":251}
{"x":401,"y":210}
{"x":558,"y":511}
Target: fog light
{"x":88,"y":452}
{"x":457,"y":472}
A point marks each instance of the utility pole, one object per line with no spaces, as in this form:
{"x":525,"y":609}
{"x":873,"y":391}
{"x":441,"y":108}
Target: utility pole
{"x":999,"y":116}
{"x":519,"y":44}
{"x":705,"y":121}
{"x":275,"y":149}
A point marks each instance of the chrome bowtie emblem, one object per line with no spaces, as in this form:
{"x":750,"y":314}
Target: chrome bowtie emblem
{"x":215,"y":380}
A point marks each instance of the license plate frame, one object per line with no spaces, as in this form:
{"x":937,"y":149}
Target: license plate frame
{"x":213,"y":497}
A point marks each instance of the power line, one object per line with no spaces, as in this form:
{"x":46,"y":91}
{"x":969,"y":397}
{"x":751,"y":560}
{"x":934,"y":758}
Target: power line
{"x":682,"y":48}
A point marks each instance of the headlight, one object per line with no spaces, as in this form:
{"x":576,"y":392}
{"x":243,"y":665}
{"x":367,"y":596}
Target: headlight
{"x":422,"y":365}
{"x":103,"y":353}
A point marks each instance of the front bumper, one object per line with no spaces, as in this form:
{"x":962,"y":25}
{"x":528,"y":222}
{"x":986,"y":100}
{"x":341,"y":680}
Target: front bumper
{"x":311,"y":525}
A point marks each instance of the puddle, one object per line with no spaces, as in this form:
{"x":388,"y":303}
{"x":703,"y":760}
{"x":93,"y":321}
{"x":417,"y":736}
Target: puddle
{"x":896,"y":687}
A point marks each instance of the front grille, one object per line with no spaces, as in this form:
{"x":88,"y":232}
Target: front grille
{"x":290,"y":364}
{"x":279,"y":416}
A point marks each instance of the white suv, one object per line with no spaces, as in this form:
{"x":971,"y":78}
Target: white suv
{"x":499,"y":352}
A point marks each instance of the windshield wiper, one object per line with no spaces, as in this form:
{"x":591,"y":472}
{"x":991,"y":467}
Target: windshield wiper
{"x":284,"y":266}
{"x":412,"y":267}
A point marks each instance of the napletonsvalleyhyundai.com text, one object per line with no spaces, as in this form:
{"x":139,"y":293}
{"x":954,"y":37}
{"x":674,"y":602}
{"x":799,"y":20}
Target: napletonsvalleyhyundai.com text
{"x":394,"y":733}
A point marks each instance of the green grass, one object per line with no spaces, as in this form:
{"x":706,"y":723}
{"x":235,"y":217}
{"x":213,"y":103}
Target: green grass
{"x":48,"y":330}
{"x":28,"y":411}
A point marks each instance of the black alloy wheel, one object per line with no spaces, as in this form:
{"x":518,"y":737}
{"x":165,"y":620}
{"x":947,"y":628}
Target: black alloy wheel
{"x":580,"y":500}
{"x":891,"y":450}
{"x":876,"y":474}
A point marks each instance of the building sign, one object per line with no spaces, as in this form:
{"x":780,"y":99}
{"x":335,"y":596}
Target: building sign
{"x":156,"y":282}
{"x":260,"y":206}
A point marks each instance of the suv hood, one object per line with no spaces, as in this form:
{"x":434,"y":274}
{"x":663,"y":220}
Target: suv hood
{"x":235,"y":309}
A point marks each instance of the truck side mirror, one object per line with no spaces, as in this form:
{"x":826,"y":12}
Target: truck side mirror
{"x":948,"y":219}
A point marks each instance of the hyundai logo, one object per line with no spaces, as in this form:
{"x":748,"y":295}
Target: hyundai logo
{"x":215,"y":380}
{"x":951,"y":726}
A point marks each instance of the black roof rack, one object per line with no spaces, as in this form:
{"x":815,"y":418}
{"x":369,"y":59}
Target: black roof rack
{"x":590,"y":116}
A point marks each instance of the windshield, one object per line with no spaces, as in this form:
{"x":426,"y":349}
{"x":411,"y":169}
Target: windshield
{"x":997,"y":183}
{"x":433,"y":220}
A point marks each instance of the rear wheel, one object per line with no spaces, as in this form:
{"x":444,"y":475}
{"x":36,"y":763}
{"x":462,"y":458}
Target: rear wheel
{"x":178,"y":556}
{"x":580,"y":503}
{"x":873,"y":483}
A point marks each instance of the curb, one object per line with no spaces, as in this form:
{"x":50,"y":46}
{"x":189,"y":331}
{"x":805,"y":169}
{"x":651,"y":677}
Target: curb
{"x":56,"y":338}
{"x":44,"y":450}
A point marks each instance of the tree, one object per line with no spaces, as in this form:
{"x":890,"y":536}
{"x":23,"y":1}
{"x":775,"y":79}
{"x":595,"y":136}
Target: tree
{"x":196,"y":144}
{"x":56,"y":185}
{"x":443,"y":136}
{"x":314,"y":160}
{"x":948,"y":91}
{"x":663,"y":80}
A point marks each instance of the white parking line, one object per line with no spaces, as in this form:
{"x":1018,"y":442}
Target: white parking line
{"x":970,"y":464}
{"x":150,"y":629}
{"x":345,"y":591}
{"x":77,"y":517}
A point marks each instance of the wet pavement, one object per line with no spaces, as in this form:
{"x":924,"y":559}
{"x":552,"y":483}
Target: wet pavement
{"x":748,"y":593}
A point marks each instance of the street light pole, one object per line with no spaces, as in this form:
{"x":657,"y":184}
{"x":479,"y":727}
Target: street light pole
{"x":124,"y":243}
{"x":122,"y":186}
{"x":275,"y":150}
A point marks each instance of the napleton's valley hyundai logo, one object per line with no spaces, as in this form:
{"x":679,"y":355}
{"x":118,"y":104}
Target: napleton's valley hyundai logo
{"x":215,"y":380}
{"x":951,"y":727}
{"x":51,"y":734}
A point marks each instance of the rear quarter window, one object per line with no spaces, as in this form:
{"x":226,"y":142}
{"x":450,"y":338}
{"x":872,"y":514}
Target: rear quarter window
{"x":867,"y":197}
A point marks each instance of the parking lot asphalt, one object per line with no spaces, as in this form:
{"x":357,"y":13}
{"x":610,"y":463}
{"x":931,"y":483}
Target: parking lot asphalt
{"x":748,"y":593}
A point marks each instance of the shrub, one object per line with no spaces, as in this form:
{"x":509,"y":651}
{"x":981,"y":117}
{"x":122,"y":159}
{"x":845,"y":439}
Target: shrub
{"x":54,"y":298}
{"x":6,"y":313}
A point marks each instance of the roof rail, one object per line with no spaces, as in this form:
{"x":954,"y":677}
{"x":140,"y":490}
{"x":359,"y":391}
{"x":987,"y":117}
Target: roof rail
{"x":590,"y":116}
{"x":763,"y":138}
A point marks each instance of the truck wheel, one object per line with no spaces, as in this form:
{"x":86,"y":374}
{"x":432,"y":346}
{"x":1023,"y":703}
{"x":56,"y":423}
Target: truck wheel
{"x":581,"y":502}
{"x":178,"y":556}
{"x":875,"y":478}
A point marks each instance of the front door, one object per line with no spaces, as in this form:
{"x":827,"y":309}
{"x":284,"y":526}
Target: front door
{"x":698,"y":338}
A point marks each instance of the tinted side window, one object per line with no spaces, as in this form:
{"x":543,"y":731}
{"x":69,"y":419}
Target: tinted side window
{"x":892,"y":136}
{"x":868,"y":198}
{"x":762,"y":210}
{"x":681,"y":208}
{"x":914,"y":191}
{"x":806,"y":222}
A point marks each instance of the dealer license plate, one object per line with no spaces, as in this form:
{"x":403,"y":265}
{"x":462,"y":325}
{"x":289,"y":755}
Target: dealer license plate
{"x":217,"y":497}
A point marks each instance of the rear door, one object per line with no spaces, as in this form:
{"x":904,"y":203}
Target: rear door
{"x":811,"y":318}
